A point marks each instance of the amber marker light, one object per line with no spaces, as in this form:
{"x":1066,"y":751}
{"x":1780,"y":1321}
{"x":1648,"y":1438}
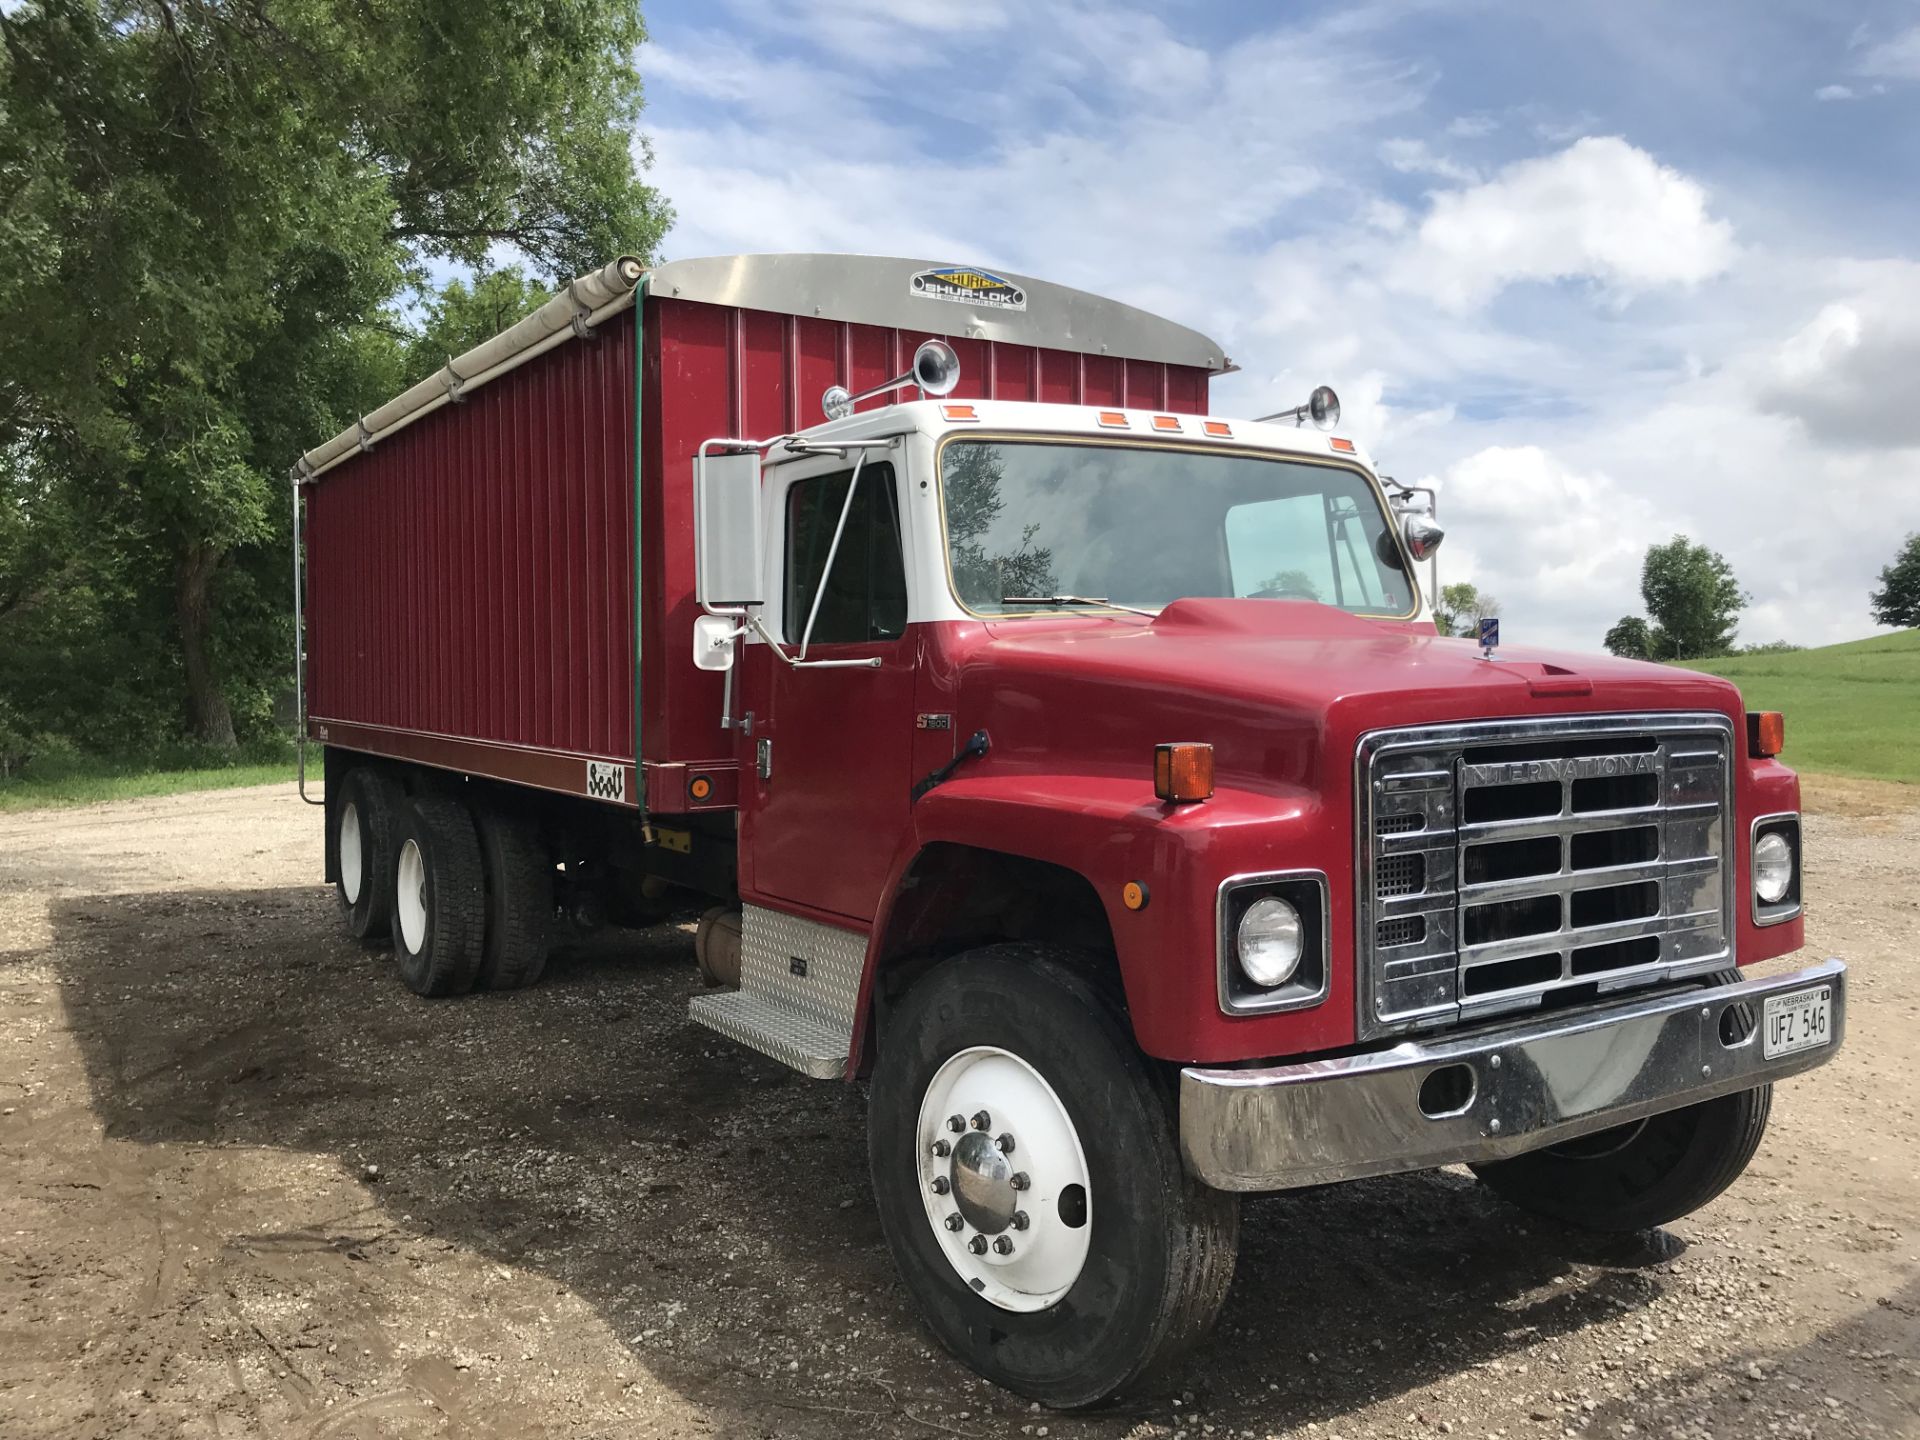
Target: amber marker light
{"x":701,"y":787}
{"x":1183,"y":772}
{"x":1113,"y":419}
{"x":958,"y":412}
{"x":1218,"y":429}
{"x":1766,"y":733}
{"x":1133,"y":895}
{"x":1166,"y":422}
{"x":1345,"y":447}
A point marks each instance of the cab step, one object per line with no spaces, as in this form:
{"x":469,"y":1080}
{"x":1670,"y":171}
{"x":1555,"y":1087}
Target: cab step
{"x":799,"y":992}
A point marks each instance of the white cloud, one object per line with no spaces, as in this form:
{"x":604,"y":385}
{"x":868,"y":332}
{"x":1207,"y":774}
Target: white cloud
{"x":1601,"y":210}
{"x":1848,"y":374}
{"x":1895,"y":59}
{"x":1834,"y":92}
{"x":1555,"y":546}
{"x":1415,"y":157}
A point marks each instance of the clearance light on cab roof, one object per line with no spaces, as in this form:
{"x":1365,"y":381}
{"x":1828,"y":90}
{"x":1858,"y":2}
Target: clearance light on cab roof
{"x":1183,"y":773}
{"x":1166,"y":422}
{"x":1113,"y":419}
{"x":1344,"y":446}
{"x":958,"y":412}
{"x":1218,"y":429}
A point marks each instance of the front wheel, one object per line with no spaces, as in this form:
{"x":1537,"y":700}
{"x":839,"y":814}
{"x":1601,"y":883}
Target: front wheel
{"x":1030,"y":1183}
{"x":1634,"y":1177}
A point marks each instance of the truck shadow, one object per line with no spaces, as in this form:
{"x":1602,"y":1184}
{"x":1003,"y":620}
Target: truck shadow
{"x":706,"y":1200}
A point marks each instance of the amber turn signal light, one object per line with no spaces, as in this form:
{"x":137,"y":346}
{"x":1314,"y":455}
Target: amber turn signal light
{"x":1766,"y":733}
{"x":1182,"y":773}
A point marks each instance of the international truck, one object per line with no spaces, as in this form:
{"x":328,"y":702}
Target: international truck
{"x":1079,"y":771}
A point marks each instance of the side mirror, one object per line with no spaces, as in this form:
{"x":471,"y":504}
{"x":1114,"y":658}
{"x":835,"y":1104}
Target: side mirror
{"x":1423,"y":537}
{"x":713,"y":637}
{"x":726,"y":530}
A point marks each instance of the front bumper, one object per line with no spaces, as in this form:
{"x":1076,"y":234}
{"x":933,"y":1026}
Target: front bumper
{"x":1517,"y":1088}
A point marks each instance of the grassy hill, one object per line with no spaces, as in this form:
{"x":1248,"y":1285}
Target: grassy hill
{"x":1850,"y":708}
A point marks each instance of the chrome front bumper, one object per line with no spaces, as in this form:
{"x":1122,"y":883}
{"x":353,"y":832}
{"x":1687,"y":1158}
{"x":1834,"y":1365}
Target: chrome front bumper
{"x":1518,"y":1088}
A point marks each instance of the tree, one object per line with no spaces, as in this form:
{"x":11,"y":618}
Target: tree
{"x":1631,"y":639}
{"x":212,"y":212}
{"x":1897,"y":601}
{"x":1461,"y":609}
{"x":1692,"y":598}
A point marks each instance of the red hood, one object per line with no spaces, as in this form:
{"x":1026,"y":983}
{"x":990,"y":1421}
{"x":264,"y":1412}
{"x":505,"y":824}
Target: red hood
{"x":1271,"y":684}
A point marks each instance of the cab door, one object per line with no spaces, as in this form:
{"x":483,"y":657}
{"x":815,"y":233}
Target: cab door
{"x":826,"y":768}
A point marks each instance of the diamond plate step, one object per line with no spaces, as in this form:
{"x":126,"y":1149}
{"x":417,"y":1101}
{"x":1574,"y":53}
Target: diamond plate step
{"x":808,"y":1045}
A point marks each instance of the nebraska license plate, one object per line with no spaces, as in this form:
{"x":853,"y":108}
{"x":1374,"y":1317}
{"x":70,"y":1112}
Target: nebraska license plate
{"x":1801,"y":1020}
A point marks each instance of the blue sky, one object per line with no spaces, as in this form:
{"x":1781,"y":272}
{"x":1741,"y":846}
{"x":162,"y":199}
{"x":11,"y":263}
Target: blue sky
{"x":1602,"y":272}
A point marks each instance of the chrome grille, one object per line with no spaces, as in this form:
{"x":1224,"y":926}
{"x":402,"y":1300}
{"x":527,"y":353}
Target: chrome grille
{"x":1508,"y":862}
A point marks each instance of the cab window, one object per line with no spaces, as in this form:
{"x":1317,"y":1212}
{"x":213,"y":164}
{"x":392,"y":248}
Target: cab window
{"x":865,"y":596}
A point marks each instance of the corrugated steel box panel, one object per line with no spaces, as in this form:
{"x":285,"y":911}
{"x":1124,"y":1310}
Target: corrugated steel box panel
{"x":472,"y":576}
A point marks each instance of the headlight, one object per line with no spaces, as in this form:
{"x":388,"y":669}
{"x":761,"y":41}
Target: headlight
{"x":1772,"y":867}
{"x":1270,"y":942}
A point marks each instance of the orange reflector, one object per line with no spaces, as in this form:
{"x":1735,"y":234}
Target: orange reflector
{"x":1166,"y":422}
{"x":701,"y":787}
{"x":1343,"y":445}
{"x":1133,"y":895}
{"x":1113,"y":419}
{"x":1182,"y":773}
{"x":958,"y":412}
{"x":1766,"y":733}
{"x":1218,"y":428}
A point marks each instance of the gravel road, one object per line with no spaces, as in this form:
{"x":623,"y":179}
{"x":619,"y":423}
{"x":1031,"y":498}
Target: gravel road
{"x":249,"y":1186}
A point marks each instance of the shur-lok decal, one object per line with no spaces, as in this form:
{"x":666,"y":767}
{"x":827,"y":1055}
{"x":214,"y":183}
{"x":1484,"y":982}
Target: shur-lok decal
{"x":969,"y":287}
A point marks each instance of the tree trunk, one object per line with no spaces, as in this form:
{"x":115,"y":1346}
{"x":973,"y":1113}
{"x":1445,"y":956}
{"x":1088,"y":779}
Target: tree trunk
{"x":208,"y":718}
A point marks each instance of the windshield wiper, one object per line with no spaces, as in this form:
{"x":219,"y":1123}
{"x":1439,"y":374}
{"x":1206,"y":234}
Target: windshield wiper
{"x":1073,"y":600}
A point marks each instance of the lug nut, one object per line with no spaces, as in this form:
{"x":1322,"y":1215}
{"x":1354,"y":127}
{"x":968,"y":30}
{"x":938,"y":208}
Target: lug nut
{"x":942,"y":1149}
{"x":953,"y":1222}
{"x":940,"y":1186}
{"x":1020,"y":1220}
{"x":1004,"y":1144}
{"x":978,"y":1244}
{"x":956,"y":1124}
{"x":1020,"y":1180}
{"x":982,"y":1120}
{"x":1003,"y":1246}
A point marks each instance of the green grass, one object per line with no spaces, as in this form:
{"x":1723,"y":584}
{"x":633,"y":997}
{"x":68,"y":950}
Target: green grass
{"x":1850,"y":708}
{"x":63,"y":779}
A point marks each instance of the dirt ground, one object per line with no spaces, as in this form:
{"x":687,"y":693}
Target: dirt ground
{"x":249,"y":1186}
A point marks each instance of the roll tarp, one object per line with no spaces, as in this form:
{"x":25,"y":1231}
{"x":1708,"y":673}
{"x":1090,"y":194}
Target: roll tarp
{"x":589,"y":296}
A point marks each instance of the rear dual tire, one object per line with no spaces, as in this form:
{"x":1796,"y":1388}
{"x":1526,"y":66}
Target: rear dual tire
{"x":439,"y":909}
{"x":364,"y":825}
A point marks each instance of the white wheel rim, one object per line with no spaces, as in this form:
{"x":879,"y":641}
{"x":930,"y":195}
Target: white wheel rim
{"x":351,"y":860}
{"x":410,"y":896}
{"x":1004,"y":1192}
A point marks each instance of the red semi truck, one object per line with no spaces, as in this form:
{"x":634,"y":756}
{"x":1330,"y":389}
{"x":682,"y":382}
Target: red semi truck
{"x":1081,"y":770}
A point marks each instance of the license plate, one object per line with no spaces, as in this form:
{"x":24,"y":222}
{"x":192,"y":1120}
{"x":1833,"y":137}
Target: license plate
{"x":1799,"y":1021}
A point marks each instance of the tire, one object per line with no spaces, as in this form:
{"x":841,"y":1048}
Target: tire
{"x":439,"y":907}
{"x":518,"y":875}
{"x":1637,"y":1176}
{"x":364,"y":823}
{"x":1156,"y":1249}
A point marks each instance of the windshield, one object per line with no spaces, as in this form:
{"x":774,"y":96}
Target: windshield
{"x":1140,"y":526}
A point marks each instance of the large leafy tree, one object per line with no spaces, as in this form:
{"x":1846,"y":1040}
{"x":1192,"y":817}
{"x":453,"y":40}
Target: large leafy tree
{"x":1897,"y":601}
{"x":1693,"y":601}
{"x":211,"y":211}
